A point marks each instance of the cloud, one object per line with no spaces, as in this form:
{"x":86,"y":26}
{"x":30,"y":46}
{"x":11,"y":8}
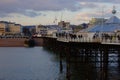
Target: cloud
{"x":21,"y":6}
{"x":31,"y":13}
{"x":85,"y":16}
{"x":100,"y":1}
{"x":88,"y":4}
{"x":35,"y":6}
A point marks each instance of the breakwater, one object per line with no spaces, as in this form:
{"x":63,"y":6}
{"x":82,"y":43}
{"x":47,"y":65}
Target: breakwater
{"x":18,"y":42}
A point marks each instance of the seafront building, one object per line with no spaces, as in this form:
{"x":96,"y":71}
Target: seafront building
{"x":28,"y":30}
{"x":41,"y":30}
{"x":47,"y":30}
{"x":9,"y":28}
{"x":64,"y":24}
{"x":96,"y":21}
{"x":3,"y":27}
{"x":14,"y":28}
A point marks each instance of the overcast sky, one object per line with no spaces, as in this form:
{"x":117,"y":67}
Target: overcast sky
{"x":35,"y":12}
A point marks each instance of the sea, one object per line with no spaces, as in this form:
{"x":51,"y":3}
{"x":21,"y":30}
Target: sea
{"x":21,"y":63}
{"x":39,"y":63}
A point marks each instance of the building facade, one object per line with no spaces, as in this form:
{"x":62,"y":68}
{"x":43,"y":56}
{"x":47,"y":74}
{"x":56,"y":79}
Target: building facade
{"x":14,"y":28}
{"x":64,"y":24}
{"x":2,"y":27}
{"x":9,"y":28}
{"x":40,"y":29}
{"x":96,"y":21}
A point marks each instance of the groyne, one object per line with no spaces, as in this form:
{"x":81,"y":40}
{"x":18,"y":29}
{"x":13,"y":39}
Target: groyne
{"x":18,"y":42}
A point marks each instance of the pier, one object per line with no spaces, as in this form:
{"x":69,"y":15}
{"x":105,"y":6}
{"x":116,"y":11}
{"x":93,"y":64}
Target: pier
{"x":89,"y":55}
{"x":76,"y":38}
{"x":100,"y":58}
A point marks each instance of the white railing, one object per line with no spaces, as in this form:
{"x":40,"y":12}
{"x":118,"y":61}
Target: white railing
{"x":86,"y":39}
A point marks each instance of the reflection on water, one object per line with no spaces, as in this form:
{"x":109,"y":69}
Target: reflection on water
{"x":28,"y":64}
{"x":19,"y":63}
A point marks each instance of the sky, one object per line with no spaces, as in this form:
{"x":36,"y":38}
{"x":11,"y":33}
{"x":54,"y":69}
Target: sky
{"x":49,"y":12}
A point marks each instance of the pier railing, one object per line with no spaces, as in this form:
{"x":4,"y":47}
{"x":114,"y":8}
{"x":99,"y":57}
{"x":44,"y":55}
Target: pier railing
{"x":63,"y":39}
{"x":87,"y":39}
{"x":114,"y":40}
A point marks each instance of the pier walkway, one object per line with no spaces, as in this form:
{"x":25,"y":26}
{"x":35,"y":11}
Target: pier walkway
{"x":102,"y":55}
{"x":90,"y":40}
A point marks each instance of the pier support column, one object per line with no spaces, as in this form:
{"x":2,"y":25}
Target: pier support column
{"x":68,"y":74}
{"x":82,"y":55}
{"x":119,"y":59}
{"x":101,"y":64}
{"x":95,"y":57}
{"x":86,"y":55}
{"x":105,"y":63}
{"x":61,"y":65}
{"x":59,"y":49}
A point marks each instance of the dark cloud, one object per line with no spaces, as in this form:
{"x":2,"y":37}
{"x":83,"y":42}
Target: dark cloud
{"x":22,"y":6}
{"x":31,"y":13}
{"x":102,"y":1}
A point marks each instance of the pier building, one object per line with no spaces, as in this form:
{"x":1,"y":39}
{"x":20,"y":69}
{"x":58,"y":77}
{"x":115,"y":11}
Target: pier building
{"x":96,"y":21}
{"x":64,"y":24}
{"x":107,"y":32}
